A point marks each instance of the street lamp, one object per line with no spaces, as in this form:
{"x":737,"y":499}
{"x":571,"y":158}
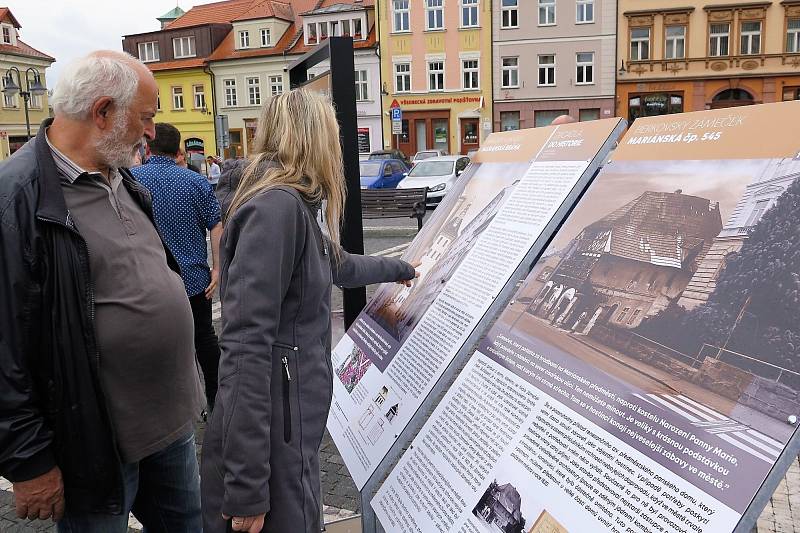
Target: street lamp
{"x":36,"y":88}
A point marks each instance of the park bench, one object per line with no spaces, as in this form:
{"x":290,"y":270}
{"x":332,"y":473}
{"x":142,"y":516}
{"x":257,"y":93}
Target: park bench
{"x":394,"y":203}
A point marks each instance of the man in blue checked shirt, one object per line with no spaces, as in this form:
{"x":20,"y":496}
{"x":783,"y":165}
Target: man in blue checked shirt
{"x":185,"y":207}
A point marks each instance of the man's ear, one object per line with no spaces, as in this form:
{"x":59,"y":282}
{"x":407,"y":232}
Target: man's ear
{"x":100,"y":111}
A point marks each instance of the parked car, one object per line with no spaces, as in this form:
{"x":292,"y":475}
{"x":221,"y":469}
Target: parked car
{"x":391,"y":154}
{"x":438,"y":174}
{"x":381,"y":173}
{"x":426,"y":154}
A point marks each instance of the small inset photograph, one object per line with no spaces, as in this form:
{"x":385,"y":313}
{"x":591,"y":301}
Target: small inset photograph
{"x":500,"y":509}
{"x":547,"y":524}
{"x":353,"y":368}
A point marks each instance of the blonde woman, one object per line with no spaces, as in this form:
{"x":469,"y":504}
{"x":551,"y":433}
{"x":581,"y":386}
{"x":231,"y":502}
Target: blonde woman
{"x":260,"y":456}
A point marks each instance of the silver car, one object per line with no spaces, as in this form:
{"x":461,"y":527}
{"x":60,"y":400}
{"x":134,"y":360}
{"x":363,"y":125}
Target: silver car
{"x":438,"y":174}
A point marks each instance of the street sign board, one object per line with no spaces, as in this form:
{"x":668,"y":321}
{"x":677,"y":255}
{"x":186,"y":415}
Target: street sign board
{"x":397,"y":114}
{"x":397,"y":127}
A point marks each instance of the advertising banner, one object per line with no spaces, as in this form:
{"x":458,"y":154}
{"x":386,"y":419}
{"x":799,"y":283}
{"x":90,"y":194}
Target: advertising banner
{"x":397,"y":349}
{"x":646,"y":375}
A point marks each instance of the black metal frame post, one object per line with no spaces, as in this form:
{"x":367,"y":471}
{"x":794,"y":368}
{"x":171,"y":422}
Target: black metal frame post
{"x":343,"y":95}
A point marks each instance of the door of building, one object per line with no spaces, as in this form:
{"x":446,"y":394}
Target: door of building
{"x":236,"y":148}
{"x":423,"y":130}
{"x":470,"y":135}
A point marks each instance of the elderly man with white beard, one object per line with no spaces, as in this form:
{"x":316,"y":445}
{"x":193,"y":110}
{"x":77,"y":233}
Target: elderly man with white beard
{"x":98,"y":381}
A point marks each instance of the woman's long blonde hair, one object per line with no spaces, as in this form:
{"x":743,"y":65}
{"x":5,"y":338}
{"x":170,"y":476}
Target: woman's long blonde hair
{"x":298,"y":131}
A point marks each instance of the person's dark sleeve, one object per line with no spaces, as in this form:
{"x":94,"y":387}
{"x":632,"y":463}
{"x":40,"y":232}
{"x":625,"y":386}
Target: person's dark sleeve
{"x":25,"y":438}
{"x":351,"y":270}
{"x":267,"y":235}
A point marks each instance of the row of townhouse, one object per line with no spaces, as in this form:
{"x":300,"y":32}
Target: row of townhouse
{"x":460,"y":69}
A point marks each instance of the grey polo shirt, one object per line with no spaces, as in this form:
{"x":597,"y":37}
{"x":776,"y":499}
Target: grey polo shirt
{"x":143,"y":321}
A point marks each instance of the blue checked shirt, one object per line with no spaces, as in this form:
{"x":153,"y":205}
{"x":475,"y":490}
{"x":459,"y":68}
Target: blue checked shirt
{"x":184,"y":207}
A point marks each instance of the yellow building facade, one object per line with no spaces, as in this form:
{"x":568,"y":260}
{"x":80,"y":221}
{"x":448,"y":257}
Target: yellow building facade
{"x":680,"y":56}
{"x":15,"y":54}
{"x":186,"y":101}
{"x":436,"y":63}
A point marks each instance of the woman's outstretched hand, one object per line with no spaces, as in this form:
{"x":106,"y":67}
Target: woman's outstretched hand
{"x":250,"y":524}
{"x":408,"y":282}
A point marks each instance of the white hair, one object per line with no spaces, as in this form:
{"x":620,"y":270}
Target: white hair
{"x":85,"y":80}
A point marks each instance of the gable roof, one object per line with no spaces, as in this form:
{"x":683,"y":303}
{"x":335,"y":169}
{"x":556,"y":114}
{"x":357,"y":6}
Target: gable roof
{"x":24,"y":49}
{"x":215,"y":12}
{"x":338,"y":6}
{"x":267,"y":9}
{"x":665,"y":229}
{"x":5,"y":12}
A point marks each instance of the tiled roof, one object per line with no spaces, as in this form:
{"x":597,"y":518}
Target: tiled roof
{"x":5,"y":12}
{"x":194,"y":62}
{"x":666,"y":229}
{"x":227,"y":48}
{"x":267,"y":9}
{"x":23,"y":49}
{"x":216,"y":12}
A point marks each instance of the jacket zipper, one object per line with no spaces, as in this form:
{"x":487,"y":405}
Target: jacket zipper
{"x":287,"y":409}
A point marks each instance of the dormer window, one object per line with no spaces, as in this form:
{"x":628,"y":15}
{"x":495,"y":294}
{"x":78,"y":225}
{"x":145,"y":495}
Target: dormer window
{"x":319,"y":31}
{"x":9,"y":35}
{"x":183,"y":47}
{"x":266,"y":37}
{"x":244,"y":39}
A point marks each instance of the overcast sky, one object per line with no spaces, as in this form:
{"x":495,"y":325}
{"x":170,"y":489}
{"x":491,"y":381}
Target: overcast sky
{"x":67,"y":29}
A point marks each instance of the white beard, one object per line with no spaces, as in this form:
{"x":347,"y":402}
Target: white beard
{"x":115,"y":152}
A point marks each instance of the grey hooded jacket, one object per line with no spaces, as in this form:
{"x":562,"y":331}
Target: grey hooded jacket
{"x":261,"y":449}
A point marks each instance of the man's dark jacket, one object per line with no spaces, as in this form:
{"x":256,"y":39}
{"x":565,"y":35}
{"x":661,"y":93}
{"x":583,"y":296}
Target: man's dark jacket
{"x":52,"y":407}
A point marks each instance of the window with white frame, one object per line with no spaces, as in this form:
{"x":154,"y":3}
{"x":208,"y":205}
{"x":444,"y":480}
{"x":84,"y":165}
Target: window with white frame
{"x":434,"y":14}
{"x":584,"y":68}
{"x":177,"y":98}
{"x":547,"y":70}
{"x":230,"y":93}
{"x":469,"y":13}
{"x":253,"y":90}
{"x":148,"y":52}
{"x":719,"y":38}
{"x":402,"y":15}
{"x":436,"y":75}
{"x":358,"y":33}
{"x":547,"y":12}
{"x":470,"y":74}
{"x":584,"y":11}
{"x":362,"y":86}
{"x":510,"y":72}
{"x":640,"y":44}
{"x":311,"y":33}
{"x":750,"y":38}
{"x":402,"y":77}
{"x":266,"y":37}
{"x":199,"y":92}
{"x":8,"y":34}
{"x":793,"y":36}
{"x":276,"y":85}
{"x":675,"y":45}
{"x":322,"y":30}
{"x":36,"y":101}
{"x":510,"y":15}
{"x":183,"y":47}
{"x":244,"y":39}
